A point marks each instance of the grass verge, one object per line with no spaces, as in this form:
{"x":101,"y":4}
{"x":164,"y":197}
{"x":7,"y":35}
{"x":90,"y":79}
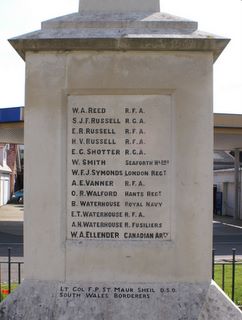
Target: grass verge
{"x":218,"y":277}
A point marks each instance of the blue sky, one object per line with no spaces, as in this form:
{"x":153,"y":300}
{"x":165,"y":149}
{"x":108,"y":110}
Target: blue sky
{"x":221,"y":17}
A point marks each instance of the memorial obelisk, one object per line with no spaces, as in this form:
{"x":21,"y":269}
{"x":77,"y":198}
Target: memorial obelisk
{"x":118,"y":167}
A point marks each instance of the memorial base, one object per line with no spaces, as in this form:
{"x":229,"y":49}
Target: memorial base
{"x":52,"y":300}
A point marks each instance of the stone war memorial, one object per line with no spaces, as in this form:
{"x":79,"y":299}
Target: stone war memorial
{"x":118,"y":163}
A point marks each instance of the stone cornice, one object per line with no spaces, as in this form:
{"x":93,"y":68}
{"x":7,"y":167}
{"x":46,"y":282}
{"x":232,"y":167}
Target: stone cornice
{"x":119,"y":32}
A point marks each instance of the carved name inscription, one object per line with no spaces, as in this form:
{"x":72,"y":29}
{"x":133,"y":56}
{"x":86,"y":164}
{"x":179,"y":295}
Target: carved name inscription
{"x":119,"y":167}
{"x":115,"y":292}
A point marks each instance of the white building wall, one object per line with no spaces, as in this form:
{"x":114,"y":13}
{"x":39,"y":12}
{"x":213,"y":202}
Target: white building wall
{"x":224,"y":179}
{"x":4,"y":176}
{"x":4,"y":188}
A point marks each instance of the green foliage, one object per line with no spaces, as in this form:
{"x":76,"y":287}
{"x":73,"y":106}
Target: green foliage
{"x":218,"y":272}
{"x":4,"y":289}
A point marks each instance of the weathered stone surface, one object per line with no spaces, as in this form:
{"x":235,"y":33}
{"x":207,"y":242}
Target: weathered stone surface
{"x":42,"y":300}
{"x":119,"y":5}
{"x":141,"y":22}
{"x":31,"y":301}
{"x":119,"y":31}
{"x":218,"y":306}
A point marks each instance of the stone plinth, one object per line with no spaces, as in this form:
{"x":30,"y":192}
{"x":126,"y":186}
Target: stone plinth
{"x":117,"y":301}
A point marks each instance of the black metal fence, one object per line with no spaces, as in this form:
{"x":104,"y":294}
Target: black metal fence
{"x":11,"y":273}
{"x":225,"y":273}
{"x":228,"y":274}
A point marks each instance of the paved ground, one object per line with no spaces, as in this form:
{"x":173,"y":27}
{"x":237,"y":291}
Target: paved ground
{"x":227,"y":234}
{"x":11,"y":236}
{"x":11,"y":230}
{"x":12,"y":212}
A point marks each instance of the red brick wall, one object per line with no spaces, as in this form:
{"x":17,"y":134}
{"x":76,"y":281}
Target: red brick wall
{"x":11,"y":162}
